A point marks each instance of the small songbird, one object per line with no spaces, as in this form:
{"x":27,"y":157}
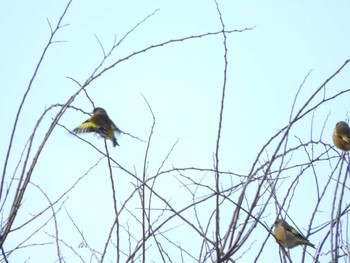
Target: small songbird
{"x":341,"y":136}
{"x":100,"y":123}
{"x":288,"y":237}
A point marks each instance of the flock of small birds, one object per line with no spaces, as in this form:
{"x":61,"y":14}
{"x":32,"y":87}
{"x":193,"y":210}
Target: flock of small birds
{"x":284,"y":233}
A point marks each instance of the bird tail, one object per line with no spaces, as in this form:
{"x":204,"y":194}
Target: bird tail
{"x":310,"y":244}
{"x":306,"y":242}
{"x":115,"y":143}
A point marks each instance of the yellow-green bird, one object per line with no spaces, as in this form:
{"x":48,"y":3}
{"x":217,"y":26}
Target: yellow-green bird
{"x":101,"y":124}
{"x":341,"y":136}
{"x":287,"y":236}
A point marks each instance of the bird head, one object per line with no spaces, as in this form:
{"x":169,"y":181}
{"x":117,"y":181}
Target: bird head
{"x":99,"y":110}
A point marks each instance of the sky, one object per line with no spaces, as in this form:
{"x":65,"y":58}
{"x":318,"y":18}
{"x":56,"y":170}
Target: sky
{"x":287,"y":41}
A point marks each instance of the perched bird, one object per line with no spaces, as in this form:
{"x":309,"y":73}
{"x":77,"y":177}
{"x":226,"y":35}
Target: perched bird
{"x":341,"y":136}
{"x":101,"y":124}
{"x":287,"y":236}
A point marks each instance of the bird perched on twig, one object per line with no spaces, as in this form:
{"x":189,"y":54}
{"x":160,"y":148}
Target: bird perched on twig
{"x":100,"y":123}
{"x":287,"y":236}
{"x":341,"y":136}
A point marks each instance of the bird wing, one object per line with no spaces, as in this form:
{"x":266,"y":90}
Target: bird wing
{"x":114,"y":127}
{"x":344,"y":137}
{"x":87,"y":126}
{"x":293,"y":231}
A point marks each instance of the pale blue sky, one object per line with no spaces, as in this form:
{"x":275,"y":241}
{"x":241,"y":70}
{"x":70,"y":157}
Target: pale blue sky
{"x":181,"y":81}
